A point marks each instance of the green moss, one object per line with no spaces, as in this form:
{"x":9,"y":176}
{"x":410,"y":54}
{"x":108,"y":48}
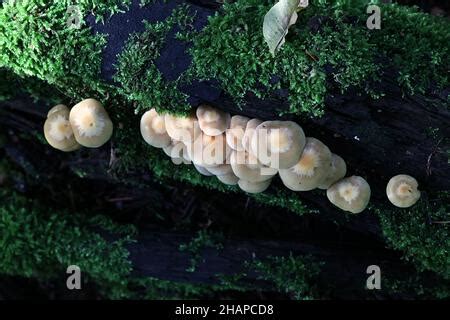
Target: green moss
{"x":413,"y":232}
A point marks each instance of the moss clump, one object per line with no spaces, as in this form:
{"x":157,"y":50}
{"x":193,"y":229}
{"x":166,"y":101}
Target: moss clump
{"x":329,"y":49}
{"x":423,"y":242}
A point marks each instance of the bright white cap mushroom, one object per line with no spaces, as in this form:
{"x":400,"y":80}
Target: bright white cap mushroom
{"x":183,"y":129}
{"x":212,"y":121}
{"x":254,"y":187}
{"x":278,"y":144}
{"x":153,"y":129}
{"x":312,"y":168}
{"x":58,"y":131}
{"x":236,"y":132}
{"x":402,"y":191}
{"x":350,"y":194}
{"x":248,"y":134}
{"x":177,"y":150}
{"x":337,"y":171}
{"x":91,"y":124}
{"x":247,"y":167}
{"x":229,"y":179}
{"x":209,"y":151}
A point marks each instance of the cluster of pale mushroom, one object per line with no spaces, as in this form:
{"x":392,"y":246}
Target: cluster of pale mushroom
{"x":86,"y":125}
{"x":249,"y":153}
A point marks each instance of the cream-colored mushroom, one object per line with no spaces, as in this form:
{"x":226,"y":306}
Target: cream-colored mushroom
{"x":248,"y":134}
{"x":337,"y":171}
{"x":350,"y":194}
{"x":203,"y":170}
{"x":228,"y":179}
{"x":209,"y":151}
{"x":402,"y":191}
{"x":236,"y":132}
{"x":153,"y":129}
{"x":254,"y":187}
{"x":177,"y":150}
{"x":278,"y":144}
{"x":58,"y":131}
{"x":247,"y":167}
{"x":212,"y":121}
{"x":91,"y":124}
{"x":220,"y":170}
{"x":183,"y":128}
{"x":312,"y":168}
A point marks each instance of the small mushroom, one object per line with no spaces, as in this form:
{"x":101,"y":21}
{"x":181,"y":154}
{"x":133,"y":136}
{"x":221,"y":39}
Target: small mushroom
{"x":91,"y":124}
{"x":58,"y":131}
{"x":209,"y":151}
{"x":229,"y":179}
{"x":312,"y":168}
{"x":177,"y":150}
{"x":247,"y":167}
{"x":402,"y":191}
{"x":220,"y":170}
{"x":236,"y":132}
{"x":248,"y":134}
{"x":278,"y":144}
{"x":183,"y":128}
{"x":203,"y":170}
{"x":350,"y":194}
{"x":337,"y":171}
{"x":153,"y":129}
{"x":212,"y":121}
{"x":254,"y":187}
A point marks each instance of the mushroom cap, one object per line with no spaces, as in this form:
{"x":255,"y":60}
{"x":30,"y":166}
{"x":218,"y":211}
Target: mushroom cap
{"x":248,"y":134}
{"x":312,"y":168}
{"x":153,"y":129}
{"x":350,"y":194}
{"x":254,"y":187}
{"x":209,"y":151}
{"x":57,"y":129}
{"x":220,"y":170}
{"x":203,"y":170}
{"x":91,"y":124}
{"x":177,"y":150}
{"x":278,"y":144}
{"x":247,"y":167}
{"x":229,"y":179}
{"x":337,"y":171}
{"x":236,"y":132}
{"x":402,"y":191}
{"x":184,"y":128}
{"x":212,"y":121}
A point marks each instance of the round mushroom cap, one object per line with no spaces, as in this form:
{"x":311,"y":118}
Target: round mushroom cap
{"x":278,"y":144}
{"x":177,"y":150}
{"x":337,"y":171}
{"x":220,"y":170}
{"x":91,"y":124}
{"x":212,"y":121}
{"x":153,"y":129}
{"x":57,"y":129}
{"x":209,"y":151}
{"x":236,"y":132}
{"x":248,"y":134}
{"x":312,"y":168}
{"x":203,"y":170}
{"x":402,"y":191}
{"x":183,"y":129}
{"x":247,"y":167}
{"x":254,"y":187}
{"x":229,"y":179}
{"x":350,"y":194}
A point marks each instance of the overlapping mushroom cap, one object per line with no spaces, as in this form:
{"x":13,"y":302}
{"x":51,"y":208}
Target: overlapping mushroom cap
{"x":212,"y":121}
{"x":254,"y":187}
{"x":228,"y":179}
{"x":153,"y":129}
{"x":91,"y":124}
{"x":57,"y":129}
{"x":247,"y":167}
{"x":402,"y":191}
{"x":209,"y":150}
{"x":350,"y":194}
{"x":278,"y":144}
{"x":177,"y":151}
{"x":236,"y":132}
{"x":248,"y":134}
{"x":337,"y":171}
{"x":312,"y":168}
{"x":183,"y":129}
